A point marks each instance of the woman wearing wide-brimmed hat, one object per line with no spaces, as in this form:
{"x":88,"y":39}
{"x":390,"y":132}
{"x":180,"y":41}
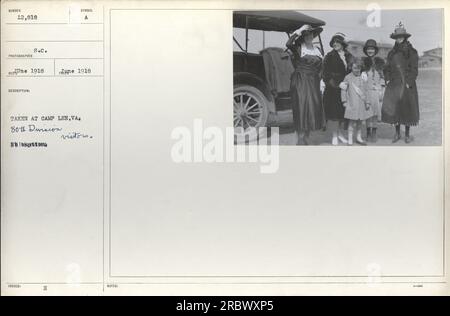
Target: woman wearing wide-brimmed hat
{"x":307,"y":108}
{"x":401,"y":102}
{"x":373,"y":74}
{"x":336,"y":65}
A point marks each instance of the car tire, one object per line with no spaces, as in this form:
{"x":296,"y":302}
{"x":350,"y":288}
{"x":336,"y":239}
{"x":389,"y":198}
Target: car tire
{"x":250,"y":112}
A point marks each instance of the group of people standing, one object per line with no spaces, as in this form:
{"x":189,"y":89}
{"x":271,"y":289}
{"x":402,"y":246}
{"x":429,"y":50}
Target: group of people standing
{"x":342,"y":91}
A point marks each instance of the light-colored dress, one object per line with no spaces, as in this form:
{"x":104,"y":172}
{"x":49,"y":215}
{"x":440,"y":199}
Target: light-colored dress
{"x":375,"y":92}
{"x":355,"y":98}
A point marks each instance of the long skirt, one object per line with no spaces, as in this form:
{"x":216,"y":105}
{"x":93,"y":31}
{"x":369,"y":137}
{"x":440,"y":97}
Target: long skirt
{"x":307,"y":108}
{"x":334,"y":109}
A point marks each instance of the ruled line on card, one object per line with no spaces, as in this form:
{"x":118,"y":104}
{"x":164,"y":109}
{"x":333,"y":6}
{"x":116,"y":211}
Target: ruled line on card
{"x":51,"y":23}
{"x":56,"y":41}
{"x":28,"y":58}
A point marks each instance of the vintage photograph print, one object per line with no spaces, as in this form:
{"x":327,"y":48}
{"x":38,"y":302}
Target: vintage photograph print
{"x":338,"y":78}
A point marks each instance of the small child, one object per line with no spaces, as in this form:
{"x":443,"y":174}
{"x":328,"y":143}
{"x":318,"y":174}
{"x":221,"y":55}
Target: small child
{"x":354,"y":97}
{"x":373,"y":74}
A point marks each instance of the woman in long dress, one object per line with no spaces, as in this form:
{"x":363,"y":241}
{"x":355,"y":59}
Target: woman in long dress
{"x":307,"y":108}
{"x":336,"y":65}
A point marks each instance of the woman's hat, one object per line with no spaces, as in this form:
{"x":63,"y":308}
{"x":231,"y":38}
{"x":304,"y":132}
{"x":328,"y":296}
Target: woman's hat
{"x":306,"y":28}
{"x":340,"y":38}
{"x":370,"y":43}
{"x":400,"y":31}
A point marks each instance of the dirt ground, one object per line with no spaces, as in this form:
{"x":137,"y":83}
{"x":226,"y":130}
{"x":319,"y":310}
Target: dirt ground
{"x":427,"y":133}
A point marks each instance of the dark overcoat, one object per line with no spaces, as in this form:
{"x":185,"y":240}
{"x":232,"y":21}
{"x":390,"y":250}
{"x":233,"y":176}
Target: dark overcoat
{"x":333,"y":73}
{"x":401,"y":102}
{"x":375,"y":63}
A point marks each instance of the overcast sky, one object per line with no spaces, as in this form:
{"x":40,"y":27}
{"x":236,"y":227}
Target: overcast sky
{"x":424,"y":25}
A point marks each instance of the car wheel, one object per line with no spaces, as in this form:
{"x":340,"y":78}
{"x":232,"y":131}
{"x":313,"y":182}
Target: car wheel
{"x":250,"y":111}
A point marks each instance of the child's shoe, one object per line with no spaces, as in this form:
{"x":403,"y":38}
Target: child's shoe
{"x":369,"y":134}
{"x":350,"y":139}
{"x":342,"y":138}
{"x":359,"y":139}
{"x":374,"y":135}
{"x":334,"y":140}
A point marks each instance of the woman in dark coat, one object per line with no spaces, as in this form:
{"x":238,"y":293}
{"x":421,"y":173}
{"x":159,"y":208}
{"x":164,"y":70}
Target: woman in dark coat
{"x":336,"y":65}
{"x":307,"y":108}
{"x":401,"y":102}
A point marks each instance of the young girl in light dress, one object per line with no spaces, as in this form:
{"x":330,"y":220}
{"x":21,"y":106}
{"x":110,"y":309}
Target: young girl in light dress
{"x":354,"y":92}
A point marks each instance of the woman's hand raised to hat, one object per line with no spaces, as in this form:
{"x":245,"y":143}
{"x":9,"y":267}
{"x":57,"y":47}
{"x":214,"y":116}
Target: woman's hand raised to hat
{"x":290,"y":44}
{"x":303,"y":28}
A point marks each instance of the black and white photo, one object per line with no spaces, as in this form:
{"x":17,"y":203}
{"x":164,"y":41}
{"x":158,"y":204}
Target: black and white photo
{"x":343,"y":77}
